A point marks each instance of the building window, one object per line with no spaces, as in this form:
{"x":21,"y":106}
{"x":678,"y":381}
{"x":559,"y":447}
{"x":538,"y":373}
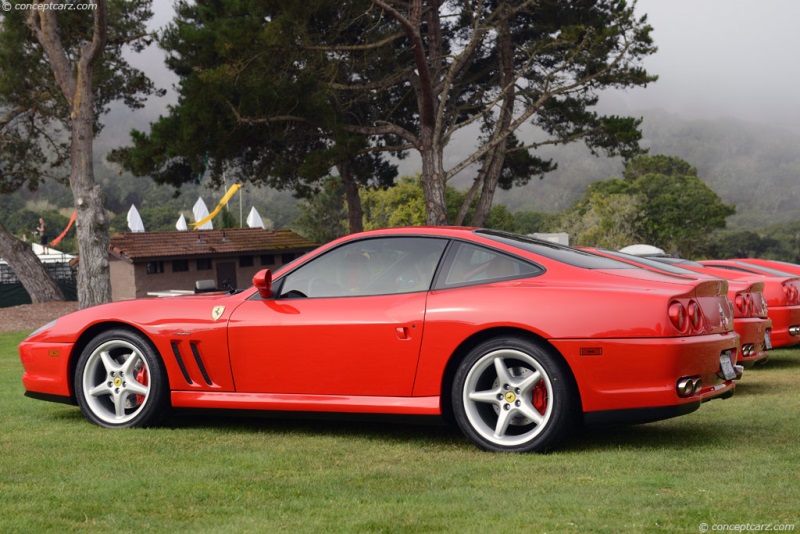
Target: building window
{"x":245,"y":261}
{"x":204,"y":264}
{"x":180,"y":266}
{"x":286,"y":258}
{"x":155,"y":267}
{"x":268,"y":259}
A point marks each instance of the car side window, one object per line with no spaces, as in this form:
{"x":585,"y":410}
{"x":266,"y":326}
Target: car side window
{"x":380,"y":266}
{"x":474,"y":264}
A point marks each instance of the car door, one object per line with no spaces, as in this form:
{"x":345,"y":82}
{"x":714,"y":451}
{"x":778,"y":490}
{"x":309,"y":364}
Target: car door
{"x":349,"y":322}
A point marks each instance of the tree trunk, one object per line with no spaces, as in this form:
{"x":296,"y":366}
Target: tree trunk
{"x":94,"y":279}
{"x":26,"y":265}
{"x":462,"y":212}
{"x":494,"y":160}
{"x":433,"y":183}
{"x":75,"y":81}
{"x":355,"y":213}
{"x":493,"y":167}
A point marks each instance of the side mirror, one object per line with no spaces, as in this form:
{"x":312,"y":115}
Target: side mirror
{"x":263,"y":282}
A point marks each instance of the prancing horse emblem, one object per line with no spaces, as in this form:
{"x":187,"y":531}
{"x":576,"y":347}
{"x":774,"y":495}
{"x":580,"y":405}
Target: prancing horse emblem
{"x":217,"y":312}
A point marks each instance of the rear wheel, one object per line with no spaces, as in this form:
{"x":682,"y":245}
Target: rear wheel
{"x":120,"y":382}
{"x":512,"y":395}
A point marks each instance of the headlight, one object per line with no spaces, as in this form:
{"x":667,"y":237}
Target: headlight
{"x":41,"y":329}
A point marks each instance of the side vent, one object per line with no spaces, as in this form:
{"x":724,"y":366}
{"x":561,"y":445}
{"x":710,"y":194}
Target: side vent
{"x":200,"y":365}
{"x":182,"y":366}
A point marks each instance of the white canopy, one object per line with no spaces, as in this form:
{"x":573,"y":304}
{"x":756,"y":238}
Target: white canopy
{"x":181,"y":224}
{"x":254,"y":219}
{"x":642,"y":250}
{"x":135,"y":220}
{"x":200,"y":211}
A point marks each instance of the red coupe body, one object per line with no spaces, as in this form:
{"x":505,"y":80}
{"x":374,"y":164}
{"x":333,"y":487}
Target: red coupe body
{"x":751,"y":320}
{"x":513,"y":338}
{"x":781,"y":290}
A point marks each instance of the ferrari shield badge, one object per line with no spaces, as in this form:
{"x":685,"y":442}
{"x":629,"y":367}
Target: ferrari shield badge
{"x":217,"y":312}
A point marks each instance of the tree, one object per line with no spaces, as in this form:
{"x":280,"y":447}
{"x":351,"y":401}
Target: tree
{"x":55,"y":85}
{"x":607,"y":221}
{"x":323,"y":216}
{"x":283,"y":86}
{"x":235,"y":91}
{"x":677,"y":212}
{"x":404,"y":205}
{"x":29,"y":270}
{"x":448,"y":66}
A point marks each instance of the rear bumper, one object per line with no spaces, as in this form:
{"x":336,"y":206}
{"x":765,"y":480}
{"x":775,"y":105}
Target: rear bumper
{"x":636,"y":416}
{"x":642,"y":374}
{"x":784,"y":317}
{"x":752,"y":331}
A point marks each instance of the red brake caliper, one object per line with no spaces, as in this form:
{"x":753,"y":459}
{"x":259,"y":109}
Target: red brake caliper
{"x":540,"y":397}
{"x":141,"y":377}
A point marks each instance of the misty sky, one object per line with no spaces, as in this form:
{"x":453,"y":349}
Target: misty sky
{"x":716,"y":58}
{"x":733,"y":58}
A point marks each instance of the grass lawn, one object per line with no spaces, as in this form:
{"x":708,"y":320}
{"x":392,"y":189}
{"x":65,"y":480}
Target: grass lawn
{"x":732,"y":462}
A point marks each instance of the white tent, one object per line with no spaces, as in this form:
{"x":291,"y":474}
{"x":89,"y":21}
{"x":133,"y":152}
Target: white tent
{"x":254,"y":219}
{"x":135,"y":220}
{"x":643,"y":250}
{"x":200,"y":211}
{"x":181,"y":224}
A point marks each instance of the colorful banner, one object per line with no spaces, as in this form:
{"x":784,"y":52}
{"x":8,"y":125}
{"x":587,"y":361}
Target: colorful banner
{"x":57,"y":240}
{"x":232,"y":191}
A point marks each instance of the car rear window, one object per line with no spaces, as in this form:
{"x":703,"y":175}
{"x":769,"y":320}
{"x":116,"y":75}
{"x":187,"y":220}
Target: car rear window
{"x":554,"y":251}
{"x":774,"y":272}
{"x":655,"y":264}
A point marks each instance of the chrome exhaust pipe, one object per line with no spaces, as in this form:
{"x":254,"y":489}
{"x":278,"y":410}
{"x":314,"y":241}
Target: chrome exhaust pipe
{"x":687,"y":387}
{"x":698,"y":385}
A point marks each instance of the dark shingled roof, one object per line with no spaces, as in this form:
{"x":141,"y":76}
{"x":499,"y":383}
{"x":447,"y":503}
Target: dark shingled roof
{"x":154,"y":245}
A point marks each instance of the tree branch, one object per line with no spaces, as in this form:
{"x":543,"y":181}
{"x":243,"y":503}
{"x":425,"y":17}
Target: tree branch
{"x":44,"y":26}
{"x":355,"y":48}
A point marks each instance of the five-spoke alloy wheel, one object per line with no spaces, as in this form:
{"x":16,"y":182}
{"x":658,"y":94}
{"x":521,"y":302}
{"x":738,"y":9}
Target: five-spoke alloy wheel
{"x":120,"y":382}
{"x":513,"y":395}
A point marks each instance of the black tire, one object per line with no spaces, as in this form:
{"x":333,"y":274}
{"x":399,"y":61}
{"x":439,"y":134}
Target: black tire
{"x":512,"y":395}
{"x":120,"y":381}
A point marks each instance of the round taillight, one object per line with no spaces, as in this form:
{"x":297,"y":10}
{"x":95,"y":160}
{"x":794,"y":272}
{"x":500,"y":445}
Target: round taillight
{"x":740,"y":303}
{"x":694,"y":315}
{"x":677,"y":314}
{"x":793,"y":298}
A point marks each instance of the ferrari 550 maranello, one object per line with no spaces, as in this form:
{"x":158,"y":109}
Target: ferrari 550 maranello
{"x":515,"y":340}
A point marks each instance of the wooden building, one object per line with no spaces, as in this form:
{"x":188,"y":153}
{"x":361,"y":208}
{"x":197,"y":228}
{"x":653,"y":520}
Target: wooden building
{"x":149,"y":262}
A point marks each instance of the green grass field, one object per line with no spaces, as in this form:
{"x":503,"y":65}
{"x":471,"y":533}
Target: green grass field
{"x":732,"y":462}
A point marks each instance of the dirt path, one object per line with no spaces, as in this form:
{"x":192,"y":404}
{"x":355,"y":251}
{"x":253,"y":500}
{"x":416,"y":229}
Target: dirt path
{"x":31,"y":316}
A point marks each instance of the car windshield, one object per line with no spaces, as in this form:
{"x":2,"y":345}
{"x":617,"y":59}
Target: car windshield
{"x":554,"y":251}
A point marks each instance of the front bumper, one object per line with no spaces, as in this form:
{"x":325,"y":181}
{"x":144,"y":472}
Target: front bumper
{"x":46,"y":368}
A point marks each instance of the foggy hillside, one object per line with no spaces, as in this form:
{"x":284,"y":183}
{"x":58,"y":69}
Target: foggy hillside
{"x":750,"y":165}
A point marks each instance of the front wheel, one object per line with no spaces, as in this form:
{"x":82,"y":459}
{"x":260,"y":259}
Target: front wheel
{"x":120,"y":382}
{"x":512,"y":395}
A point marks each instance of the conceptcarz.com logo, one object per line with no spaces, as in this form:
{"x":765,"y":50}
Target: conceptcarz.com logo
{"x":8,"y":6}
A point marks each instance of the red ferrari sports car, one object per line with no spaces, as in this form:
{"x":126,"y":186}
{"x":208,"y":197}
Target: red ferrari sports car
{"x":782,"y":291}
{"x":750,"y":319}
{"x":512,"y":338}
